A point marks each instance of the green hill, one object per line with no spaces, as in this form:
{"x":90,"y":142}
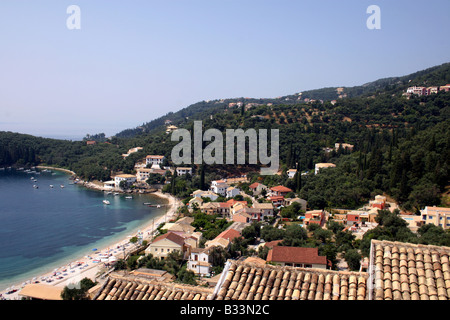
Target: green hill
{"x":401,"y":145}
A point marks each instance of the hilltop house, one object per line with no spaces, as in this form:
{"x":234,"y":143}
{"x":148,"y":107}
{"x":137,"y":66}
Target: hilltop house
{"x":280,"y":191}
{"x":438,"y":216}
{"x":314,"y":216}
{"x":291,"y":173}
{"x":154,"y":160}
{"x":320,"y":166}
{"x":297,"y":257}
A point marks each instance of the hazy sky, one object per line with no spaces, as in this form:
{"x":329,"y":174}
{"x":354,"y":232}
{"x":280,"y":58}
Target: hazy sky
{"x":134,"y":61}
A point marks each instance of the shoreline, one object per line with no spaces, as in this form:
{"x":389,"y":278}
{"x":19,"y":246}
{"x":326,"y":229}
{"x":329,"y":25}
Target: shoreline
{"x":91,"y":263}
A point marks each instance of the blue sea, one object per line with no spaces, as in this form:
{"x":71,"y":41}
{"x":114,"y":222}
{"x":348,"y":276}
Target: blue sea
{"x":44,"y":228}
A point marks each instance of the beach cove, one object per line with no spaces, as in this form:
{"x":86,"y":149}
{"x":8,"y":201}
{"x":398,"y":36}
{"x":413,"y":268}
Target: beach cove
{"x":89,"y":262}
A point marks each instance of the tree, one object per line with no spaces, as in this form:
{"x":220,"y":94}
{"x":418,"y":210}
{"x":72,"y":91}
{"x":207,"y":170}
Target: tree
{"x":353,"y":259}
{"x":79,"y":292}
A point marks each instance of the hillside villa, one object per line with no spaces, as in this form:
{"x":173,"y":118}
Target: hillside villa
{"x":297,"y":257}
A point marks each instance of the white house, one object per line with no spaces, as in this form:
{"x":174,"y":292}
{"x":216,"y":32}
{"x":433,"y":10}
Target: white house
{"x":205,"y":194}
{"x":219,"y":187}
{"x":184,"y":170}
{"x":291,"y":173}
{"x":199,"y":261}
{"x":129,"y":178}
{"x":154,"y":160}
{"x":232,"y":191}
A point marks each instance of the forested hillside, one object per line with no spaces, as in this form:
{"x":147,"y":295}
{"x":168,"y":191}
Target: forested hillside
{"x":401,"y":145}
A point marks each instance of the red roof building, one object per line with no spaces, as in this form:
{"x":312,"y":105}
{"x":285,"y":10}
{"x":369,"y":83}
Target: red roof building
{"x":297,"y":257}
{"x":229,"y":234}
{"x":280,"y":190}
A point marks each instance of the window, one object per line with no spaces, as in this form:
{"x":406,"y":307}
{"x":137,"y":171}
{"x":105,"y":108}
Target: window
{"x":307,"y":266}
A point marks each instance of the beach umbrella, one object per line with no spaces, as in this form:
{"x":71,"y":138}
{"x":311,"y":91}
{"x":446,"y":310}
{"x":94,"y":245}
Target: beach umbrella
{"x":95,"y":249}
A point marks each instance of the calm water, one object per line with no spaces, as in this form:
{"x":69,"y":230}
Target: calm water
{"x":44,"y":228}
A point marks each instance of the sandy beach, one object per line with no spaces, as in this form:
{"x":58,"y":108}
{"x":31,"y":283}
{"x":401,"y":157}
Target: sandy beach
{"x":96,"y":262}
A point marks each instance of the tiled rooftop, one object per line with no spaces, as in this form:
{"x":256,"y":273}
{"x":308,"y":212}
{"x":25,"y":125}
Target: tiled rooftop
{"x":247,"y":281}
{"x":404,"y":271}
{"x":118,"y":287}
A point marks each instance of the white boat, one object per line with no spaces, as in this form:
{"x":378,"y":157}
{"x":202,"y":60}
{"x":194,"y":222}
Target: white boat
{"x":35,"y":186}
{"x":51,"y":186}
{"x":128,"y":197}
{"x":106,"y":202}
{"x":62,"y":186}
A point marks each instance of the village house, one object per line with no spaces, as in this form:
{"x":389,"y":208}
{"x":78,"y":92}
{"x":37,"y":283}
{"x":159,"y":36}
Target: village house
{"x":142,"y":174}
{"x":219,"y":187}
{"x":224,"y":239}
{"x":170,"y":128}
{"x":154,"y":160}
{"x":265,"y":209}
{"x":439,"y":216}
{"x":232,"y":192}
{"x":199,"y":261}
{"x":445,"y":88}
{"x":344,"y":146}
{"x":256,"y":188}
{"x":184,"y":170}
{"x":204,"y":194}
{"x":128,"y":178}
{"x":195,"y":202}
{"x":289,"y":201}
{"x":379,"y":202}
{"x":320,"y":166}
{"x":280,"y":191}
{"x":164,"y":244}
{"x":277,"y":201}
{"x":297,"y":257}
{"x":291,"y":173}
{"x":314,"y":216}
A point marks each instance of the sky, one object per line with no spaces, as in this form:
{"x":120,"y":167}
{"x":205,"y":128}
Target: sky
{"x":134,"y":61}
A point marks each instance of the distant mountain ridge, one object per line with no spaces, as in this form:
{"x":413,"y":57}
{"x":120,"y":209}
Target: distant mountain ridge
{"x":433,"y":76}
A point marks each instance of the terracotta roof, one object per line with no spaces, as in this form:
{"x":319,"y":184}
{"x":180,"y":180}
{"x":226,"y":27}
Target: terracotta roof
{"x":248,"y":281}
{"x":296,"y":255}
{"x":229,"y":234}
{"x":118,"y":287}
{"x":170,"y":236}
{"x":272,"y":244}
{"x":404,"y":271}
{"x":253,"y":185}
{"x":281,"y":189}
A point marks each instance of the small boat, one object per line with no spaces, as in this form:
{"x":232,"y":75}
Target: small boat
{"x":51,"y":186}
{"x":35,"y":186}
{"x":62,"y":186}
{"x":128,"y":197}
{"x":106,"y":202}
